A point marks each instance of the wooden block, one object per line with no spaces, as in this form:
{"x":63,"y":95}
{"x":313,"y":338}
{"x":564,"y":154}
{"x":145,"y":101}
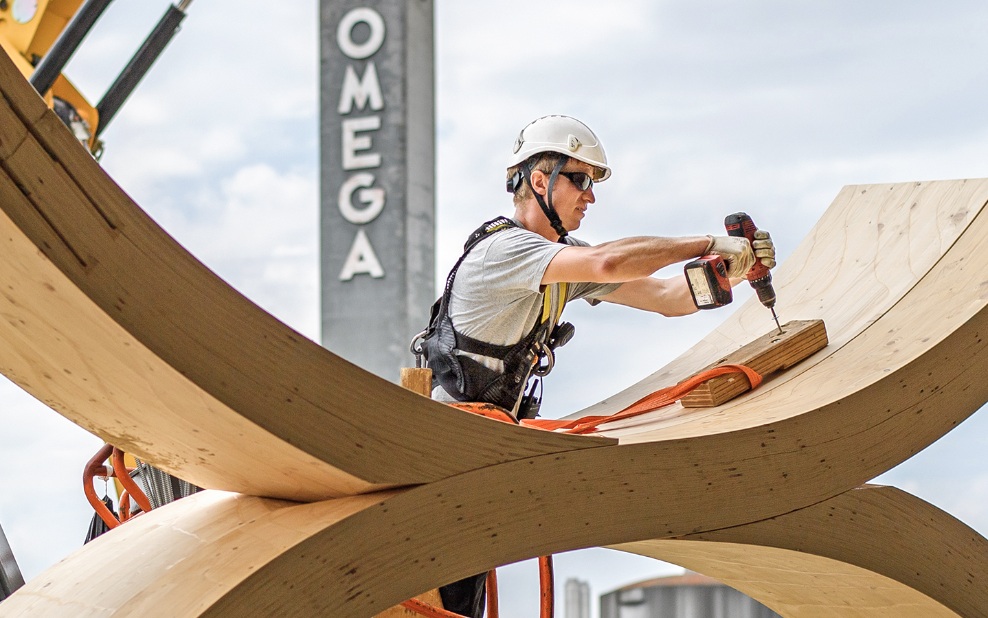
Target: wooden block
{"x":766,"y":355}
{"x":417,"y":379}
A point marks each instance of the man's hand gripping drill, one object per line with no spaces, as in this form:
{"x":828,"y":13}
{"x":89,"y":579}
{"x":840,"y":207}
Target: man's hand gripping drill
{"x":740,"y":225}
{"x":746,"y":252}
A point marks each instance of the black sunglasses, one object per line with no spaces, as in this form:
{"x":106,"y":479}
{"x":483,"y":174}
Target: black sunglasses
{"x":581,"y":180}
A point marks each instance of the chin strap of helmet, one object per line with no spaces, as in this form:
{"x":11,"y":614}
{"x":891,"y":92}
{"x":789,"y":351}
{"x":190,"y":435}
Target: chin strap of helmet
{"x":550,"y":212}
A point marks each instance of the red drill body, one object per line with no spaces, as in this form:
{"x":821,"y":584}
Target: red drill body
{"x":740,"y":224}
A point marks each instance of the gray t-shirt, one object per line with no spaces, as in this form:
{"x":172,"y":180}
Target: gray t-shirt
{"x":497,"y":296}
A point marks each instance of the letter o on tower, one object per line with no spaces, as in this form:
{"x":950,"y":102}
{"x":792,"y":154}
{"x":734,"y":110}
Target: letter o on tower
{"x":344,"y":33}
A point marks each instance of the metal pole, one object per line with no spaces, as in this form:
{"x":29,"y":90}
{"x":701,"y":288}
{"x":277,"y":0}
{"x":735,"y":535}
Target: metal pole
{"x":61,"y":51}
{"x":139,"y":65}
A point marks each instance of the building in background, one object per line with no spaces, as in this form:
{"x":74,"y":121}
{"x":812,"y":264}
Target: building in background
{"x":577,"y":602}
{"x":377,"y":171}
{"x":682,"y":596}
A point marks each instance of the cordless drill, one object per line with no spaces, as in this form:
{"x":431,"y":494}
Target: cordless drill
{"x":740,"y":224}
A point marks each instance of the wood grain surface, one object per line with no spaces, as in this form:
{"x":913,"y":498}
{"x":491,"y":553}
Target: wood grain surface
{"x":872,"y":551}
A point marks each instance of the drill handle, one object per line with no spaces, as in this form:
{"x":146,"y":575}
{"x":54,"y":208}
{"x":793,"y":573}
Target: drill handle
{"x":740,"y":225}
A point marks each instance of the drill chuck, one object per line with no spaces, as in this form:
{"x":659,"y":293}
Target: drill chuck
{"x":764,"y":290}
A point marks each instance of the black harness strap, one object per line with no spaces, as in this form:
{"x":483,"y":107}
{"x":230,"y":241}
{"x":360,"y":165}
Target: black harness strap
{"x":550,"y":212}
{"x":466,"y":379}
{"x":491,"y":227}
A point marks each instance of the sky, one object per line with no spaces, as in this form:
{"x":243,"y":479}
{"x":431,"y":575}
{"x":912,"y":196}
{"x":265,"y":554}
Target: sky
{"x":705,"y":108}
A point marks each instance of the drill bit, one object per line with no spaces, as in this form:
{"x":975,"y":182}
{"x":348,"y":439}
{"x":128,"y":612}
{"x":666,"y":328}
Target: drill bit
{"x":776,"y":318}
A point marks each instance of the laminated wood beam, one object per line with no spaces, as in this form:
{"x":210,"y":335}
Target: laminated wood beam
{"x":875,"y":552}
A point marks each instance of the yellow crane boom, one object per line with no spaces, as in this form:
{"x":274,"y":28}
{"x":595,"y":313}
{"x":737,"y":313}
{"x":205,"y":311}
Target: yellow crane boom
{"x":28,"y":28}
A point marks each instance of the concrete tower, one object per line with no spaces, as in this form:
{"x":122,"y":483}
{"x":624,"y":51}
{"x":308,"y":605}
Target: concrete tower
{"x":377,"y":178}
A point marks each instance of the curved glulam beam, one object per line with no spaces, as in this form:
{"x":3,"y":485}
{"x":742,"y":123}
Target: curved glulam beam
{"x":114,"y":325}
{"x":872,"y":551}
{"x":188,"y":556}
{"x":875,"y":552}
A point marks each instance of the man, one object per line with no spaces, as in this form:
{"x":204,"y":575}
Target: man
{"x":496,"y":327}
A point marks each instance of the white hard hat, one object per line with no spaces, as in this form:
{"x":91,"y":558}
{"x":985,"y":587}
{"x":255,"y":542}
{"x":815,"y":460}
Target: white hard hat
{"x":565,"y":135}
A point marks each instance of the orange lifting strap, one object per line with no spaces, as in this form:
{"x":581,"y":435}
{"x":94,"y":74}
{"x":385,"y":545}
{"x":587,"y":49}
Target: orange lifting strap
{"x":659,"y":399}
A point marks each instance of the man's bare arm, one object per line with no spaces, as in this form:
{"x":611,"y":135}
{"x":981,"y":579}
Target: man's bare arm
{"x":622,"y":260}
{"x":670,"y":297}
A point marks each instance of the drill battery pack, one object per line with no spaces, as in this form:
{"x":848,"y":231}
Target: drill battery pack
{"x":708,"y":282}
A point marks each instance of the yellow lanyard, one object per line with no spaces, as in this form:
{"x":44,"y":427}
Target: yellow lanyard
{"x":553,"y":303}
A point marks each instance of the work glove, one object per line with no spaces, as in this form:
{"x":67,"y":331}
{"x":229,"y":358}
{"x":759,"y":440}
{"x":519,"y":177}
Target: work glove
{"x":764,"y":248}
{"x":736,"y":252}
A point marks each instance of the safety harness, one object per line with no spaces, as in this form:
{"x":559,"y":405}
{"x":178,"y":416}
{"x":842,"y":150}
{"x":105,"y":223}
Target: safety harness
{"x":466,"y":379}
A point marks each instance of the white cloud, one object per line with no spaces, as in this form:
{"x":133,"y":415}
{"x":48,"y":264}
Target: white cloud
{"x":258,"y":229}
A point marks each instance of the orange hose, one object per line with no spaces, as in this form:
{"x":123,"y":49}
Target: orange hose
{"x":124,"y":507}
{"x":492,"y":609}
{"x":120,"y":469}
{"x":93,"y":468}
{"x":431,"y":611}
{"x":547,"y":587}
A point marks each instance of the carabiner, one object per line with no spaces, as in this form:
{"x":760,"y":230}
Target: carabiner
{"x":417,"y":349}
{"x":543,"y":354}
